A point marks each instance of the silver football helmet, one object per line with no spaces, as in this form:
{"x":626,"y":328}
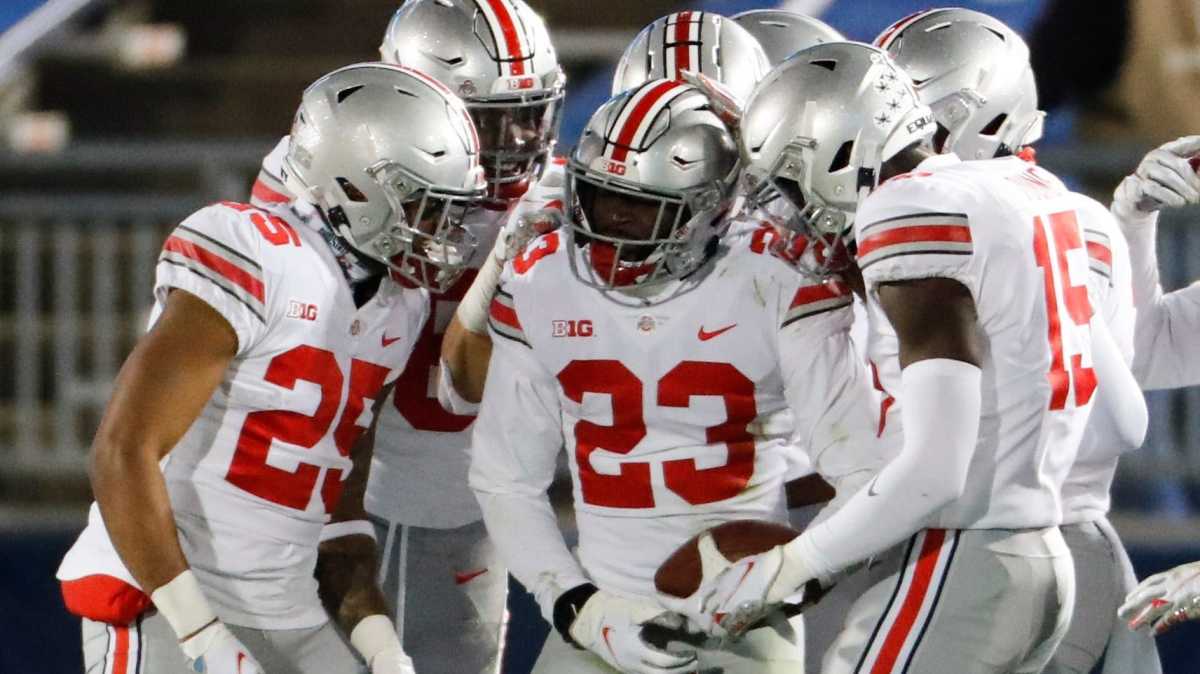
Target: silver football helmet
{"x":696,"y":41}
{"x":497,"y":56}
{"x":817,"y":131}
{"x":649,"y":186}
{"x":974,"y":72}
{"x":782,"y":33}
{"x":396,"y":193}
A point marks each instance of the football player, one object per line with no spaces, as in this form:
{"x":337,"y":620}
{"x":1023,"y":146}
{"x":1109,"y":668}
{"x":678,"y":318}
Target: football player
{"x":1166,"y":354}
{"x":974,"y":73}
{"x":275,"y":335}
{"x":674,"y":367}
{"x":981,"y":332}
{"x":439,"y":570}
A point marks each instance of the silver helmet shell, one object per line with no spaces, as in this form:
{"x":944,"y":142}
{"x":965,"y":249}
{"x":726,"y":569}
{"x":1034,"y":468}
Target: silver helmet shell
{"x":497,"y":56}
{"x":348,"y":156}
{"x":694,"y":41}
{"x":818,"y":129}
{"x":657,"y":144}
{"x":782,"y":33}
{"x":974,"y":72}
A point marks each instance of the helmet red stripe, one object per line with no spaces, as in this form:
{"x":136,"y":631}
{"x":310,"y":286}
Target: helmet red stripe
{"x":629,"y":131}
{"x":683,"y":24}
{"x":510,"y":34}
{"x":887,"y":35}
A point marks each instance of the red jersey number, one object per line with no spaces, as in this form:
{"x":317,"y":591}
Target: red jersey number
{"x":249,"y":469}
{"x":631,"y":488}
{"x":1063,"y":230}
{"x":413,"y":399}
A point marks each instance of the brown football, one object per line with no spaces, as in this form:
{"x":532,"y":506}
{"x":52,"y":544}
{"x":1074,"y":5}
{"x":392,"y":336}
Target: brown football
{"x":679,"y":576}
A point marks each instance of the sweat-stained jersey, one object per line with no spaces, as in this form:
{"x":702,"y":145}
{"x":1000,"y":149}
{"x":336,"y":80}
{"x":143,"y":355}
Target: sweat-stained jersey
{"x":675,"y":415}
{"x":1013,"y":235}
{"x":255,"y":477}
{"x":419,"y":468}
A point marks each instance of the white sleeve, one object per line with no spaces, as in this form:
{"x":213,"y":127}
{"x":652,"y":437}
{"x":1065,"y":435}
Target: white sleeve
{"x":1166,"y":343}
{"x":515,"y":443}
{"x":940,"y":415}
{"x":215,"y":254}
{"x":828,"y":389}
{"x":448,"y":396}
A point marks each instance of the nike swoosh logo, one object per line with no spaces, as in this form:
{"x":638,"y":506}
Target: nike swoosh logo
{"x":388,"y":342}
{"x":704,"y":335}
{"x":464,"y":577}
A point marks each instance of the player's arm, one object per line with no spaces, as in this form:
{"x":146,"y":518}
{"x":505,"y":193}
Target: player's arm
{"x":1166,"y":354}
{"x":159,"y":392}
{"x":515,"y":443}
{"x":940,"y":388}
{"x":940,"y":353}
{"x":346,"y":579}
{"x":466,"y":345}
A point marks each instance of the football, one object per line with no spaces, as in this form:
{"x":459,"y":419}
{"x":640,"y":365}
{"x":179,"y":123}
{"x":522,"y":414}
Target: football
{"x":680,"y":575}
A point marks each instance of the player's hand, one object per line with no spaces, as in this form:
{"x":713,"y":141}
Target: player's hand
{"x":611,"y":627}
{"x":214,"y":650}
{"x":1165,"y":178}
{"x":1164,"y":600}
{"x":524,"y":228}
{"x":734,"y":596}
{"x":392,"y":661}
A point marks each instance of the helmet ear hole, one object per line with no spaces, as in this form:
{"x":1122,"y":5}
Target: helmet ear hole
{"x":842,"y":159}
{"x":940,"y":137}
{"x":352,"y":193}
{"x":993,"y":127}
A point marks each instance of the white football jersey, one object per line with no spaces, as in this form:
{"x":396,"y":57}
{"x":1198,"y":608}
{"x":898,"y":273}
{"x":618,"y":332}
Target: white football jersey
{"x":419,"y":469}
{"x":675,"y":415}
{"x":1086,"y":492}
{"x":255,"y":477}
{"x":1012,"y":234}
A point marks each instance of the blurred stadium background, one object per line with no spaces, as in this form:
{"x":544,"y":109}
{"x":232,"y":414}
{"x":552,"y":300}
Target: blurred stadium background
{"x":119,"y":117}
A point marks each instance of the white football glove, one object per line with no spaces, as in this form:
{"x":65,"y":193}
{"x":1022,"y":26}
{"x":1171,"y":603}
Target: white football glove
{"x":214,"y":650}
{"x":734,"y":596}
{"x":611,"y":627}
{"x":472,"y":310}
{"x":1164,"y":600}
{"x":375,"y":639}
{"x":1165,"y":178}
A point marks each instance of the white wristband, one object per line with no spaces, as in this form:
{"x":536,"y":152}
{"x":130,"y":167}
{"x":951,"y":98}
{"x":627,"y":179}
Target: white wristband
{"x":183,"y":604}
{"x":374,"y":635}
{"x":352,"y":528}
{"x":473,"y":308}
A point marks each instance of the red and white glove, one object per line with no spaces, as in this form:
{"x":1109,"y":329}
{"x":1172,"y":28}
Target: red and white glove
{"x":375,"y":639}
{"x":1164,"y":600}
{"x":1164,"y":178}
{"x":611,"y":627}
{"x":733,"y":596}
{"x":206,"y":642}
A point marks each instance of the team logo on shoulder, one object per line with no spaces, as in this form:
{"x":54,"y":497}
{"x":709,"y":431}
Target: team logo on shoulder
{"x":580,"y":328}
{"x":302,"y":310}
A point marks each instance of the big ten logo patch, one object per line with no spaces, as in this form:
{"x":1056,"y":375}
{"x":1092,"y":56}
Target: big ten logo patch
{"x":581,"y":328}
{"x":301,"y":310}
